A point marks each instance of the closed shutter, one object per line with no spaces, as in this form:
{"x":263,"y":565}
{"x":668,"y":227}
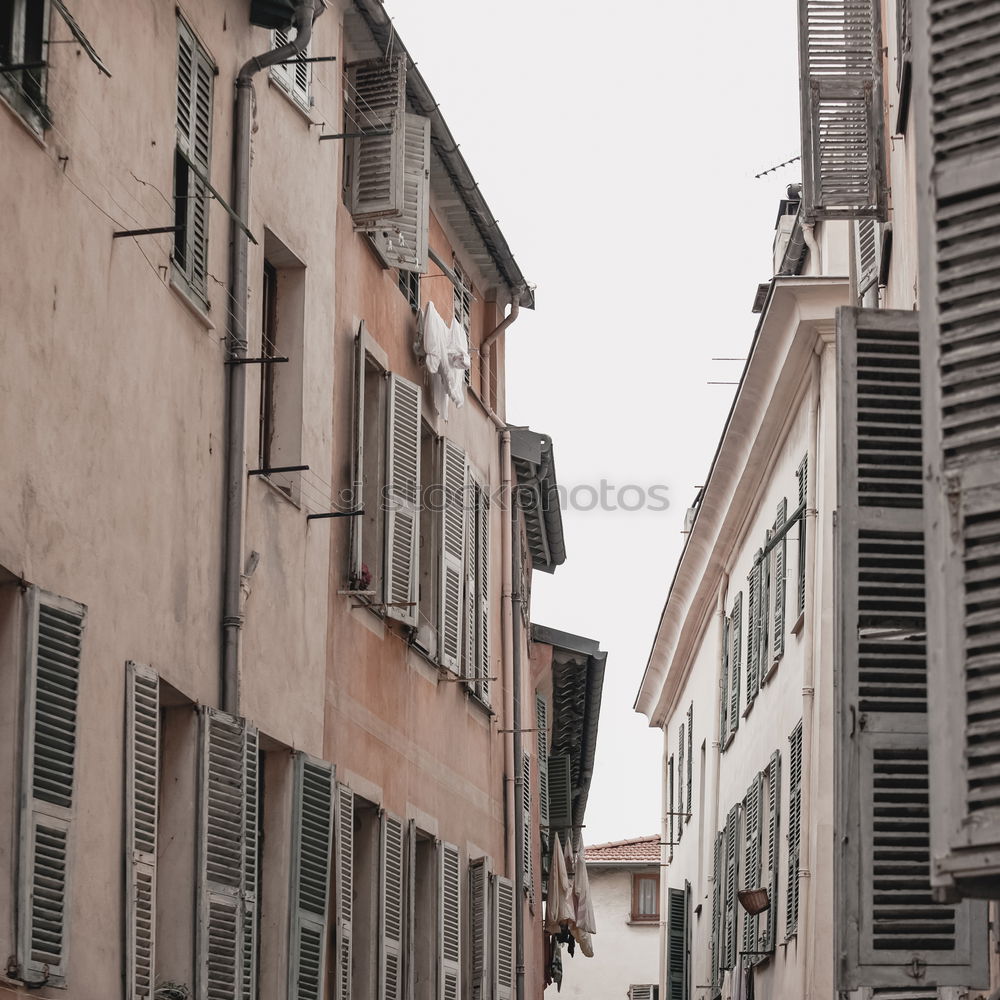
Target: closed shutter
{"x":560,"y":792}
{"x":867,"y":254}
{"x":344,"y":898}
{"x":354,"y":569}
{"x":528,"y":834}
{"x":730,"y":909}
{"x":402,"y":241}
{"x":690,"y":758}
{"x":142,"y":774}
{"x":753,"y":632}
{"x":251,"y":861}
{"x":780,"y":564}
{"x":294,"y":77}
{"x":450,"y":910}
{"x":55,"y":632}
{"x":715,"y":947}
{"x":453,"y":532}
{"x":402,"y":500}
{"x":753,"y":805}
{"x":375,"y":103}
{"x":503,"y":938}
{"x":642,"y":991}
{"x":764,"y":615}
{"x":794,"y":830}
{"x":479,"y":927}
{"x":482,"y":541}
{"x":679,"y":807}
{"x":735,"y":661}
{"x":222,"y":824}
{"x":312,"y":843}
{"x":802,"y":474}
{"x":724,"y":684}
{"x":676,"y":944}
{"x":957,"y":104}
{"x":673,"y":817}
{"x":542,"y":742}
{"x":840,"y":70}
{"x":767,"y":940}
{"x":390,"y":981}
{"x":890,"y":923}
{"x":195,"y":76}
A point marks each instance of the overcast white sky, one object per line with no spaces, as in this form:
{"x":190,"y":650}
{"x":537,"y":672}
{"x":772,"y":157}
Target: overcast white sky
{"x":616,"y":144}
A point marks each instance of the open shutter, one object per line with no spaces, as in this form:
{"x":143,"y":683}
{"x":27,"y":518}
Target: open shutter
{"x":753,"y":632}
{"x":479,"y":927}
{"x":735,"y":662}
{"x":294,"y":77}
{"x":731,"y":909}
{"x":450,"y":910}
{"x":219,"y":960}
{"x":840,"y":69}
{"x":503,"y":938}
{"x":542,"y":742}
{"x":678,"y":804}
{"x":724,"y":681}
{"x":527,"y":838}
{"x":55,"y":632}
{"x":344,"y":899}
{"x":767,"y":940}
{"x":780,"y":565}
{"x":312,"y":842}
{"x":956,"y":88}
{"x":358,"y":458}
{"x":867,"y":253}
{"x":802,"y":475}
{"x":794,"y":829}
{"x":560,"y":792}
{"x":390,"y":979}
{"x":715,"y":946}
{"x":453,"y":533}
{"x":375,"y":104}
{"x":482,"y":503}
{"x":402,"y":499}
{"x":402,"y":241}
{"x":690,"y":758}
{"x":752,"y":807}
{"x":672,"y":817}
{"x":891,"y":932}
{"x":676,"y":944}
{"x":251,"y":861}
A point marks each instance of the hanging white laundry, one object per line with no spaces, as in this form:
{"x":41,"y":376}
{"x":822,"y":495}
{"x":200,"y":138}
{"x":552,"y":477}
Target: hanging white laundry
{"x":435,"y":341}
{"x":459,"y":362}
{"x":559,"y":905}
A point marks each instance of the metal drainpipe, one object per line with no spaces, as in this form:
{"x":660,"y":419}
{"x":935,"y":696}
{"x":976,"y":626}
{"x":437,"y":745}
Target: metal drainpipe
{"x":484,"y":347}
{"x":507,"y":627}
{"x":232,"y":612}
{"x":516,"y":609}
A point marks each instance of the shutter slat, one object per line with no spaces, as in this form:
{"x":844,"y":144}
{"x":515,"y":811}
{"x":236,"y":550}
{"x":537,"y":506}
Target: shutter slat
{"x":450,"y":910}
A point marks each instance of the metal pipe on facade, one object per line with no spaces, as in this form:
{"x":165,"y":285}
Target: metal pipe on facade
{"x":507,"y":631}
{"x":484,"y":347}
{"x":232,"y":612}
{"x":516,"y":612}
{"x":809,"y":235}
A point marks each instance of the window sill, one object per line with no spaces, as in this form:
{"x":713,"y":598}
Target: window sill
{"x":291,"y":99}
{"x":30,"y":122}
{"x":770,"y":671}
{"x":750,"y":704}
{"x":643,"y":921}
{"x":796,"y":629}
{"x":194,"y":306}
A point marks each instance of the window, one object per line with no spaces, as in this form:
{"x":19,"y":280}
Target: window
{"x":794,"y":832}
{"x":677,"y":944}
{"x":23,"y":34}
{"x":670,"y":805}
{"x":425,"y":916}
{"x":904,"y":62}
{"x":430,"y":541}
{"x":802,"y":475}
{"x":293,"y":77}
{"x":679,"y":807}
{"x":645,"y":897}
{"x":449,"y":955}
{"x":502,"y":937}
{"x":769,"y":855}
{"x":192,"y":160}
{"x":735,"y":663}
{"x":644,"y":991}
{"x":477,"y":577}
{"x":462,"y":305}
{"x":409,"y":285}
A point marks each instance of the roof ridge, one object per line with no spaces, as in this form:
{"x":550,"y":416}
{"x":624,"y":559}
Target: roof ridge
{"x":623,"y":843}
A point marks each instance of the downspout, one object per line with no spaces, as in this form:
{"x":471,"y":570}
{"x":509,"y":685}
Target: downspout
{"x":507,"y":632}
{"x":232,"y":612}
{"x":809,"y":235}
{"x":808,"y":670}
{"x":484,"y":347}
{"x":516,"y":613}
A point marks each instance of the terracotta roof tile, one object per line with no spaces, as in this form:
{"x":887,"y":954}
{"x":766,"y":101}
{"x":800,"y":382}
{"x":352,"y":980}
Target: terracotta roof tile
{"x":642,"y":850}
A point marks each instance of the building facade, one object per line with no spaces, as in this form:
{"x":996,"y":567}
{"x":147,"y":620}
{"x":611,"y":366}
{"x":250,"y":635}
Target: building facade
{"x":265,"y":642}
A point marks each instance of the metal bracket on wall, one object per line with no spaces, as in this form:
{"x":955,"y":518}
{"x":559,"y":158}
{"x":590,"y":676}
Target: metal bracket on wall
{"x":144,"y":232}
{"x":255,"y":361}
{"x":306,"y":59}
{"x":336,"y":513}
{"x":282,"y":468}
{"x":356,"y":135}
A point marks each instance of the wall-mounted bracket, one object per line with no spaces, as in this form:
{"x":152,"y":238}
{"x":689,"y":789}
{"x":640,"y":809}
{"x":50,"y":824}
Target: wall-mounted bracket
{"x":256,"y":361}
{"x":144,"y":232}
{"x":357,"y":135}
{"x":282,"y":468}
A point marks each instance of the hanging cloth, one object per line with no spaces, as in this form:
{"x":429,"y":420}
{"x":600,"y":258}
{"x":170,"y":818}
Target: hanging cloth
{"x":586,"y":922}
{"x":559,"y":904}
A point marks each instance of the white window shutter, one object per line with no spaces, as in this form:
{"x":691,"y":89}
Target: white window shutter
{"x":312,"y":853}
{"x":390,"y":980}
{"x":780,"y":570}
{"x":883,"y":872}
{"x":375,"y":102}
{"x":840,"y":63}
{"x":294,"y":77}
{"x":503,"y":938}
{"x":867,"y":253}
{"x":673,"y":817}
{"x":142,"y":773}
{"x":450,"y":929}
{"x":402,"y":241}
{"x":956,"y":95}
{"x":402,"y":499}
{"x":482,"y":583}
{"x":794,"y":834}
{"x":54,"y":636}
{"x":643,"y":991}
{"x":479,"y":924}
{"x":344,"y":855}
{"x":724,"y":684}
{"x":753,"y":632}
{"x":453,"y":532}
{"x":802,"y":476}
{"x":542,"y":741}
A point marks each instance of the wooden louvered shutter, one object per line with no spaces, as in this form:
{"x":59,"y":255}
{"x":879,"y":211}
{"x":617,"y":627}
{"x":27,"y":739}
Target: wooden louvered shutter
{"x":889,"y":920}
{"x":142,"y":774}
{"x":753,"y":632}
{"x":867,"y":253}
{"x":55,"y":632}
{"x":735,"y":661}
{"x":690,"y":758}
{"x":780,"y":569}
{"x":678,"y":804}
{"x":560,"y":791}
{"x":479,"y":927}
{"x":482,"y":542}
{"x":356,"y":559}
{"x":402,"y":241}
{"x":731,"y":908}
{"x":676,"y":944}
{"x":767,"y":940}
{"x":715,"y":945}
{"x":673,"y":817}
{"x":503,"y":938}
{"x":753,"y":805}
{"x":312,"y":843}
{"x":956,"y":89}
{"x":528,"y":836}
{"x":251,"y":861}
{"x":293,"y":76}
{"x":450,"y":912}
{"x":375,"y":103}
{"x":390,"y":979}
{"x":840,"y":70}
{"x":641,"y":991}
{"x":344,"y":896}
{"x":402,"y":499}
{"x":542,"y":742}
{"x":794,"y":829}
{"x":453,"y":532}
{"x":802,"y":474}
{"x":724,"y":682}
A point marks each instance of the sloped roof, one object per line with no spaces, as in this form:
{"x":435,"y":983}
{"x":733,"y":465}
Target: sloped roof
{"x":638,"y":850}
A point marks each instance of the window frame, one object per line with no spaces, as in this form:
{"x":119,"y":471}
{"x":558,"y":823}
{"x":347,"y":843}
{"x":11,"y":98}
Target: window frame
{"x":285,"y":75}
{"x":30,"y":107}
{"x":636,"y":916}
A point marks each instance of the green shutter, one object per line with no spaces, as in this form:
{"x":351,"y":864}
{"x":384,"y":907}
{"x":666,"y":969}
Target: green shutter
{"x":803,"y":477}
{"x":735,"y":662}
{"x":715,"y":946}
{"x":752,"y":807}
{"x":676,"y":944}
{"x":753,"y":632}
{"x":678,"y":804}
{"x":724,"y":691}
{"x":773,"y":825}
{"x":780,"y":563}
{"x":794,"y":831}
{"x":690,"y":758}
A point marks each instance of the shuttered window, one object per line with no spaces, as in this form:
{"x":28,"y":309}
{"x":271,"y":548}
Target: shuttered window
{"x":192,"y":161}
{"x":724,"y":683}
{"x":503,"y":939}
{"x":226,"y":901}
{"x":772,"y":796}
{"x":644,"y":991}
{"x":542,"y":739}
{"x":479,"y":927}
{"x":479,"y":608}
{"x":673,"y":817}
{"x":450,"y":909}
{"x":677,"y":979}
{"x":690,"y":759}
{"x":753,"y":807}
{"x":312,"y":854}
{"x":453,"y":576}
{"x":735,"y":661}
{"x":679,"y":806}
{"x":754,"y":578}
{"x":957,"y":102}
{"x":730,"y":910}
{"x":802,"y":475}
{"x":24,"y":32}
{"x":780,"y":555}
{"x":904,"y":63}
{"x":527,"y":831}
{"x":251,"y":863}
{"x":49,"y":748}
{"x":391,"y":871}
{"x":375,"y":106}
{"x":142,"y":773}
{"x":867,"y":254}
{"x":560,"y":783}
{"x":882,"y":802}
{"x":794,"y":829}
{"x":840,"y":62}
{"x":344,"y":892}
{"x":293,"y":77}
{"x":715,"y":944}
